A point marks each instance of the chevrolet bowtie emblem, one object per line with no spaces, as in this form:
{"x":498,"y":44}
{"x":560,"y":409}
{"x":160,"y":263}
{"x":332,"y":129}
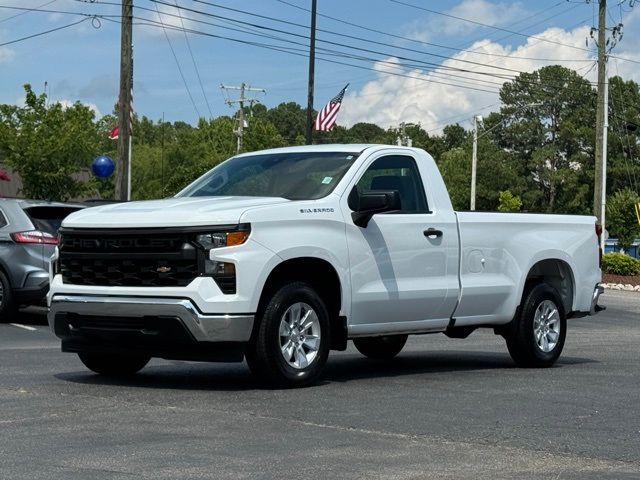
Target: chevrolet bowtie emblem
{"x":163,"y":269}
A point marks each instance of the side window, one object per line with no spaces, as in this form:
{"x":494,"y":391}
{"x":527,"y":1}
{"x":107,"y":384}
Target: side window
{"x":396,"y":172}
{"x":3,"y":220}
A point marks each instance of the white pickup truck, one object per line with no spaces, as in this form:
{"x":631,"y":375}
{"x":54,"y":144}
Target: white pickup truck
{"x":281,"y":255}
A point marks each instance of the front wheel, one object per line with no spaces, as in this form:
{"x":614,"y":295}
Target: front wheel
{"x":537,"y":337}
{"x":380,"y":348}
{"x":291,"y":344}
{"x":113,"y":365}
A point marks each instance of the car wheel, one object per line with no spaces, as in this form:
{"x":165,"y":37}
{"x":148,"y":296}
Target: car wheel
{"x":7,"y":304}
{"x":537,"y":337}
{"x":113,"y":365}
{"x":380,"y":348}
{"x":291,"y":343}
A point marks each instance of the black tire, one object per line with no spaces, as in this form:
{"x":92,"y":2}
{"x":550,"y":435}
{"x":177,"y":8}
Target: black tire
{"x":264,"y":355}
{"x":521,"y":338}
{"x":380,"y":348}
{"x":113,"y":365}
{"x":7,"y":303}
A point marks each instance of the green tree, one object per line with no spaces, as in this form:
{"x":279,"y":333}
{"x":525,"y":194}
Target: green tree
{"x":623,"y":162}
{"x":508,"y":202}
{"x":621,"y":219}
{"x":545,"y":117}
{"x":48,"y":145}
{"x":497,"y":171}
{"x":290,"y":119}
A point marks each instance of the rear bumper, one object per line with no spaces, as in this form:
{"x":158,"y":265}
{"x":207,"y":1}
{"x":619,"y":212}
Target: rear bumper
{"x":595,"y":308}
{"x":159,"y":327}
{"x":34,"y":290}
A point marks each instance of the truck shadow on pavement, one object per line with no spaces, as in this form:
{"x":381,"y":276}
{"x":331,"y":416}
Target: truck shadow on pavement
{"x":340,"y":369}
{"x":429,"y":364}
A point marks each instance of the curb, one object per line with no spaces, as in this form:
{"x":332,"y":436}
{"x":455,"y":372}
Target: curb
{"x":621,"y":286}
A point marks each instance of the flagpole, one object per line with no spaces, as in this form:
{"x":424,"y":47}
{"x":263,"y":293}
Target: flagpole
{"x":312,"y":61}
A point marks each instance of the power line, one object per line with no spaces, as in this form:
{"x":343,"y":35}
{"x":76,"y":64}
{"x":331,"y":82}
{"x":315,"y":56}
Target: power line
{"x":353,"y":37}
{"x":302,"y":53}
{"x":26,"y":10}
{"x":486,"y":25}
{"x":184,"y":80}
{"x":373,"y":30}
{"x":338,"y":53}
{"x":195,"y":66}
{"x":46,"y":32}
{"x":386,"y":54}
{"x":299,"y":52}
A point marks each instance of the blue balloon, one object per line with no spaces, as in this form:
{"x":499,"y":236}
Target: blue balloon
{"x":103,"y":166}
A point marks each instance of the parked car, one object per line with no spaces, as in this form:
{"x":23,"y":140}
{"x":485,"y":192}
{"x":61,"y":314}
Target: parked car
{"x":282,"y":255}
{"x":28,"y":236}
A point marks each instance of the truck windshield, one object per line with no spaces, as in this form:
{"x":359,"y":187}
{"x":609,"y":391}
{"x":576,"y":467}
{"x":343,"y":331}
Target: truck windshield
{"x":295,"y":176}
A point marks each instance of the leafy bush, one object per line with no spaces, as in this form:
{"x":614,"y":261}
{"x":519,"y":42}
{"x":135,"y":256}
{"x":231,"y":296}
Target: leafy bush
{"x":620,"y":264}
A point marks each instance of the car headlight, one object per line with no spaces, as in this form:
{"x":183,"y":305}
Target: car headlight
{"x":223,"y":273}
{"x":231,"y":238}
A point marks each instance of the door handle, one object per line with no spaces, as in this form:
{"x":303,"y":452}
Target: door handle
{"x":432,"y":233}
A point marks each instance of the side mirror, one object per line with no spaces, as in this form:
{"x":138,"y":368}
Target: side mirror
{"x":366,"y":204}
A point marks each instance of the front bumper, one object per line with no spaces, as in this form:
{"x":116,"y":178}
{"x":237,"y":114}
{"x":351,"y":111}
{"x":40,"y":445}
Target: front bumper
{"x":160,"y":327}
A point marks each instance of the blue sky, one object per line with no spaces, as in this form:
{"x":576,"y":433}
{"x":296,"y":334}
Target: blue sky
{"x":82,"y":62}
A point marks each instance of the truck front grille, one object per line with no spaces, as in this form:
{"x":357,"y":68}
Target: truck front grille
{"x":109,"y":258}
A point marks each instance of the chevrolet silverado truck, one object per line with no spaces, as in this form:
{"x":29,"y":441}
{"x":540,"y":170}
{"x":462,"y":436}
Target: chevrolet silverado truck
{"x":282,"y":255}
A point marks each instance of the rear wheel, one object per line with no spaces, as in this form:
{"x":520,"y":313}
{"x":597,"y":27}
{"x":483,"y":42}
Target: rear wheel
{"x":7,"y":305}
{"x":291,"y":344}
{"x":380,"y":348}
{"x":537,"y":337}
{"x":114,"y":365}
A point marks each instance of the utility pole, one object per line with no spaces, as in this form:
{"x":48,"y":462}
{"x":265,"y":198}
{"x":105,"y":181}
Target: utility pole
{"x":312,"y":62}
{"x":243,"y":88}
{"x":474,"y":160}
{"x":599,"y":190}
{"x":124,"y":101}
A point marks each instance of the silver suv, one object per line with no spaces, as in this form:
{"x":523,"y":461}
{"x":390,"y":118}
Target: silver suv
{"x":28,"y":236}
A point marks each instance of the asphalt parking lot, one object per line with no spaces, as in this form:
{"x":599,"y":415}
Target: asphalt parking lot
{"x":443,"y":409}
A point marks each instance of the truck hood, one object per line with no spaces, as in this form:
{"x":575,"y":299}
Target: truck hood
{"x":172,"y":212}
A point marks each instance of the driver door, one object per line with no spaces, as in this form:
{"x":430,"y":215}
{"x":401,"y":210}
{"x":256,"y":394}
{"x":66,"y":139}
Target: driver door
{"x":402,"y":280}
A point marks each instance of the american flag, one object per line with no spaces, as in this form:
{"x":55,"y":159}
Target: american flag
{"x":327,"y":116}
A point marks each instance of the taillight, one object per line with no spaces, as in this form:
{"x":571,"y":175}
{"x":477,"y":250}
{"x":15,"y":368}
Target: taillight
{"x":598,"y":235}
{"x":34,"y":236}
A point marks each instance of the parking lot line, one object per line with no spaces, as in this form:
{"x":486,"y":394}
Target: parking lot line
{"x":26,"y":327}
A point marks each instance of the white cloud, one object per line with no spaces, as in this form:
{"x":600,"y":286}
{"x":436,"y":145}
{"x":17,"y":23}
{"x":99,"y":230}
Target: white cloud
{"x":69,"y":103}
{"x":6,"y":54}
{"x":481,"y":11}
{"x":172,"y":18}
{"x":389,"y":100}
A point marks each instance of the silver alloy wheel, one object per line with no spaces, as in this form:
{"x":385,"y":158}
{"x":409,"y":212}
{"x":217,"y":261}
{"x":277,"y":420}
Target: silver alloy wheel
{"x":546,"y":326}
{"x":299,"y":335}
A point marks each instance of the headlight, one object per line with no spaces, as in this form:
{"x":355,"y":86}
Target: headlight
{"x":224,"y":239}
{"x":223,"y":273}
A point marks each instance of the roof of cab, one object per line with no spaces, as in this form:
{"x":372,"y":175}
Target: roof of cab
{"x":333,"y":147}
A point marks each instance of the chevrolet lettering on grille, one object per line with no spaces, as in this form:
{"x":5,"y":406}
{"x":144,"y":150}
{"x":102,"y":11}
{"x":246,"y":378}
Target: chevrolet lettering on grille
{"x":78,"y":243}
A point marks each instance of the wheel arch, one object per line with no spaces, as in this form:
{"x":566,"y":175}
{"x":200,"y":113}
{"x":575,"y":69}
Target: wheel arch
{"x":558,"y":274}
{"x":323,"y":277}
